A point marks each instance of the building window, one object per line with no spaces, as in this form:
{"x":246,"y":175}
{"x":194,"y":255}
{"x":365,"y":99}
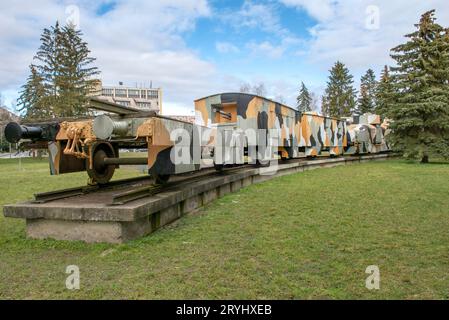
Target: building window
{"x":133,"y":93}
{"x":123,"y":103}
{"x":152,"y":94}
{"x":107,"y":92}
{"x":120,"y":93}
{"x":143,"y":94}
{"x":144,"y":105}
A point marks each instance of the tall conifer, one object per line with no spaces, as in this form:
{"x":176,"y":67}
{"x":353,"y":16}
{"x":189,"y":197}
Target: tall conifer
{"x":367,"y":99}
{"x":32,"y":96}
{"x":340,"y":96}
{"x":384,"y":93}
{"x":420,"y":111}
{"x":304,"y":100}
{"x":64,"y":72}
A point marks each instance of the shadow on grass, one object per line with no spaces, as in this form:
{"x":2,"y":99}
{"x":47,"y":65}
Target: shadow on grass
{"x":430,"y":163}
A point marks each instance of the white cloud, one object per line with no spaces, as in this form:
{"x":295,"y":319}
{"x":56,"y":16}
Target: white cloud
{"x":259,"y":16}
{"x":135,"y":42}
{"x":321,"y":10}
{"x":177,"y":109}
{"x":139,"y":41}
{"x":267,"y":49}
{"x":226,"y":47}
{"x":347,"y":34}
{"x":262,"y":18}
{"x":271,"y":50}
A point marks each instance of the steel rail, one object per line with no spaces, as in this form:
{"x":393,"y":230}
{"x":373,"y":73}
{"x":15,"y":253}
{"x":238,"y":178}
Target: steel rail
{"x":76,"y":191}
{"x":143,"y":192}
{"x":150,"y":190}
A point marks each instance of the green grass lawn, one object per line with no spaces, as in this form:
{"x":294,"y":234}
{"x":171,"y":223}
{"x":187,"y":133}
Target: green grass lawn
{"x":308,"y":235}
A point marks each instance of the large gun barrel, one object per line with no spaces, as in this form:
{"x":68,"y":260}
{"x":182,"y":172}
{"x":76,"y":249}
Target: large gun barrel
{"x":15,"y":132}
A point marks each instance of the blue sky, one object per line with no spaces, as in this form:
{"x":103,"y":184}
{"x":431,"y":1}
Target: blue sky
{"x":233,"y":45}
{"x":193,"y":48}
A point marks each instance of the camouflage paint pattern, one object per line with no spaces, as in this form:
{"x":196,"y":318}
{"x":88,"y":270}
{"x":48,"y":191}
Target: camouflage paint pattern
{"x":367,"y":134}
{"x":299,"y":134}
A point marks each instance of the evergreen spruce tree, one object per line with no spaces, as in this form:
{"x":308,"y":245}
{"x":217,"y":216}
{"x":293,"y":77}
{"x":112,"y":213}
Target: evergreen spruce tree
{"x":64,"y":69}
{"x":420,"y":111}
{"x":340,"y":96}
{"x":75,"y":80}
{"x":304,"y":100}
{"x":324,"y":107}
{"x":367,"y":99}
{"x":32,"y":96}
{"x":48,"y":57}
{"x":384,"y":94}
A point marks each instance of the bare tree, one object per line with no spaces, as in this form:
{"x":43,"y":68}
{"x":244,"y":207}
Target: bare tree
{"x":245,"y":87}
{"x":280,"y":98}
{"x":259,"y":89}
{"x":315,"y":101}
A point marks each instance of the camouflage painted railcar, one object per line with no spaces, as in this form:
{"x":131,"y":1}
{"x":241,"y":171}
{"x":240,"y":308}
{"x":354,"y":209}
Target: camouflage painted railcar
{"x":366,"y":134}
{"x":93,"y":145}
{"x":175,"y":146}
{"x":298,"y":134}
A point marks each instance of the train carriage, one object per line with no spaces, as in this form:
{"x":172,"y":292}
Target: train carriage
{"x":366,"y":134}
{"x":298,"y":135}
{"x":93,"y":144}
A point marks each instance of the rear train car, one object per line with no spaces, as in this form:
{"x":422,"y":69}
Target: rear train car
{"x":367,"y":134}
{"x":297,"y":134}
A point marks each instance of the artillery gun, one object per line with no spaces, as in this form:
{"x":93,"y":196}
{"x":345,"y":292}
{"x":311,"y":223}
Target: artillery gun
{"x":93,"y":144}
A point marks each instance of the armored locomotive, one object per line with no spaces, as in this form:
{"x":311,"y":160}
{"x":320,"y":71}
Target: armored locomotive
{"x":226,"y":124}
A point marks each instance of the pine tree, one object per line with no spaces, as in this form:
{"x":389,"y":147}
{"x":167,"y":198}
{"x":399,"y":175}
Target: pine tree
{"x":32,"y":96}
{"x":367,"y":99}
{"x":324,"y":107}
{"x":304,"y":100}
{"x":384,"y":94}
{"x":48,"y":57}
{"x":75,"y":80}
{"x":64,"y":69}
{"x":339,"y":97}
{"x":420,"y":111}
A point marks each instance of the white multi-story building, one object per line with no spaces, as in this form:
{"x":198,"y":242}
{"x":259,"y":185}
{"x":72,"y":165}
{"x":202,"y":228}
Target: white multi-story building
{"x":135,"y":97}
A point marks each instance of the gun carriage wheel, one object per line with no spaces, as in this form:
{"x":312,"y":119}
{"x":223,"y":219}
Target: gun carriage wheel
{"x":161,"y":178}
{"x":98,"y":171}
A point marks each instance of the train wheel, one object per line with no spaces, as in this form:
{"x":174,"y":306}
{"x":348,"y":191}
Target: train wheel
{"x":100,"y":172}
{"x":161,"y":178}
{"x":263,"y":163}
{"x":218,"y":167}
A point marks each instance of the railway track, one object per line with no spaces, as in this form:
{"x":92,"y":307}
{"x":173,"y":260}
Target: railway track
{"x":131,"y":192}
{"x":77,"y":191}
{"x":146,"y":191}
